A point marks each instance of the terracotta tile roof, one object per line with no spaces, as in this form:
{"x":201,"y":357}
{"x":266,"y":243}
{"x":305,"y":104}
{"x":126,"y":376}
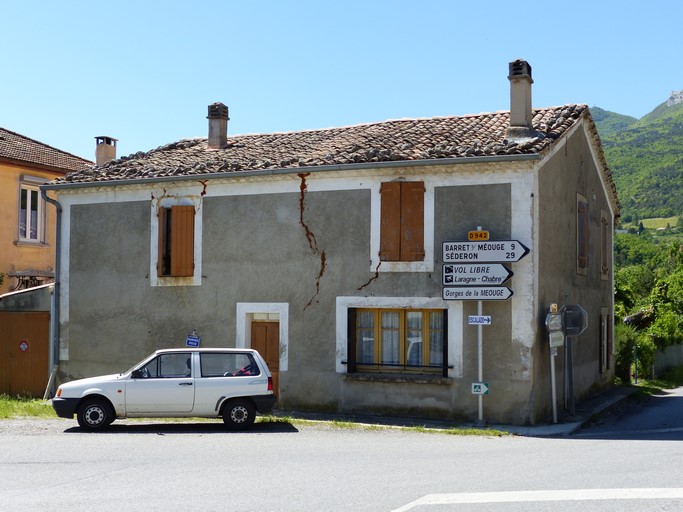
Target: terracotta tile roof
{"x":22,"y":149}
{"x":399,"y":140}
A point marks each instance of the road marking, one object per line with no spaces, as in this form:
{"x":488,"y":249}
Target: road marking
{"x":548,"y":495}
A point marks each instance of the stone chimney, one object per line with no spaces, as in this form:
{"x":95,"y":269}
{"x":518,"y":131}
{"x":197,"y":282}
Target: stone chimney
{"x":218,"y":126}
{"x":105,"y":149}
{"x":521,"y":126}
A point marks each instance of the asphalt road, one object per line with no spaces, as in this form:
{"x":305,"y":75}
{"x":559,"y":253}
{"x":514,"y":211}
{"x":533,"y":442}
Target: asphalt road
{"x":624,"y":463}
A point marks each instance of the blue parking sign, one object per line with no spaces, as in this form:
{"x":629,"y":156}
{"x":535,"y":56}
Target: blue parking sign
{"x":192,"y":341}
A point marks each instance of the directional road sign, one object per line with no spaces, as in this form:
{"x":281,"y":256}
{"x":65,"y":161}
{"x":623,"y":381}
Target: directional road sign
{"x":480,"y":388}
{"x":476,"y":293}
{"x":479,"y":320}
{"x":500,"y":251}
{"x":475,"y":274}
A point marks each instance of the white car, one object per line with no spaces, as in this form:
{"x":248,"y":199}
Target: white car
{"x":194,"y":382}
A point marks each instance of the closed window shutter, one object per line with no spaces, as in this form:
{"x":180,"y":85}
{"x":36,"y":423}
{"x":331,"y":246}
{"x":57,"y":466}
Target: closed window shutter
{"x":163,"y":252}
{"x":412,"y":221}
{"x":182,"y":241}
{"x":583,"y":234}
{"x":390,"y":223}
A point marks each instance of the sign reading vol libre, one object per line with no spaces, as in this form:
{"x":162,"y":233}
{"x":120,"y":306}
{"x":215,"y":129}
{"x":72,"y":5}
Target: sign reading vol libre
{"x":463,"y":279}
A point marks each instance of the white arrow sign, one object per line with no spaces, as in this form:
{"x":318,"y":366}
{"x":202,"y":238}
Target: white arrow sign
{"x":476,"y":293}
{"x":500,"y":251}
{"x":480,"y":388}
{"x":475,"y":274}
{"x":479,"y":320}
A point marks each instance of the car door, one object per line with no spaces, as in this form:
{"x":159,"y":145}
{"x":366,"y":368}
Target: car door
{"x":165,"y":385}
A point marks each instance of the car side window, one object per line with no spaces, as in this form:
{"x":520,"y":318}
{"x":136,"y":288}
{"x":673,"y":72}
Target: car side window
{"x":167,"y":366}
{"x":228,"y":365}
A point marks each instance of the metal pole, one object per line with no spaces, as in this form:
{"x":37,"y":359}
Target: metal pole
{"x":480,"y":346}
{"x":553,"y":353}
{"x":570,"y":374}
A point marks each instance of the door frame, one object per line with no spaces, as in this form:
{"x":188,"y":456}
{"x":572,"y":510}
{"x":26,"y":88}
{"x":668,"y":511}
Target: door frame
{"x":245,"y":311}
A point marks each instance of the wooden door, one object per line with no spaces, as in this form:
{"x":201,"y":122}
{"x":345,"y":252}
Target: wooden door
{"x":265,"y":338}
{"x":24,"y":352}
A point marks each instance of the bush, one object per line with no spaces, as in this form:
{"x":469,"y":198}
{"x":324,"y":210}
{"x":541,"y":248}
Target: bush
{"x":631,"y":344}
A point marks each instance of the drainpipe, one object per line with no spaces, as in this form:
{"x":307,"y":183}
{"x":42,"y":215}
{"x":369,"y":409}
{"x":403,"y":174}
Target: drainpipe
{"x":54,"y":319}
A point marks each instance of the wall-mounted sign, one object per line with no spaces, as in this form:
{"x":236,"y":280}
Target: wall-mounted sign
{"x":480,"y":388}
{"x":192,"y":341}
{"x":496,"y":251}
{"x":468,"y":274}
{"x":23,"y":346}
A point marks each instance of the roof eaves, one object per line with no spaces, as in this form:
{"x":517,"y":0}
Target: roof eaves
{"x":295,"y":170}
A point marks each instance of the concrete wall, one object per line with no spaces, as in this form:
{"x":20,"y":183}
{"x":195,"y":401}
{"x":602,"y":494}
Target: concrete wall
{"x":267,"y":243}
{"x":571,"y":170}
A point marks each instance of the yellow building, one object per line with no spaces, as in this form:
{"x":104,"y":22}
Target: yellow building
{"x":27,"y":223}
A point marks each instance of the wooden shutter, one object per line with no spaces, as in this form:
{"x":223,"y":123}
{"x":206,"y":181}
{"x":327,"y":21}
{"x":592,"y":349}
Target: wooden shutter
{"x":390,"y":222}
{"x":163,"y":252}
{"x":582,"y":241}
{"x":352,"y":340}
{"x":412,"y":221}
{"x":182,"y":241}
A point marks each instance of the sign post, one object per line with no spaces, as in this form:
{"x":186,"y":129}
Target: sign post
{"x":473,"y":270}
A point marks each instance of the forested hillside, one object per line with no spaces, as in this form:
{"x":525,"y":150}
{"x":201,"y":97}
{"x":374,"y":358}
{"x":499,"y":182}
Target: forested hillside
{"x":646,"y":158}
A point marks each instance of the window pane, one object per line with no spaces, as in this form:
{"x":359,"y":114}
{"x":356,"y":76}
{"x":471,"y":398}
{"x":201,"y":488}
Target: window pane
{"x":390,"y":337}
{"x":23,"y":213}
{"x":366,"y":337}
{"x":174,"y":365}
{"x":34,"y":215}
{"x":436,"y":338}
{"x":414,"y":338}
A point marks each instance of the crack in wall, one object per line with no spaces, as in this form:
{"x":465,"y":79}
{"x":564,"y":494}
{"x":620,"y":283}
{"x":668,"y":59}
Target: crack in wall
{"x":310,"y":237}
{"x":373,"y":278}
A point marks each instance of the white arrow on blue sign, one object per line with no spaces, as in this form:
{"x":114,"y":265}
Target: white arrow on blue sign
{"x":496,"y":251}
{"x":467,"y":274}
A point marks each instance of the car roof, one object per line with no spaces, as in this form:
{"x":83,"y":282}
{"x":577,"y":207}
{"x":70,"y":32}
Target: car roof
{"x":203,"y":349}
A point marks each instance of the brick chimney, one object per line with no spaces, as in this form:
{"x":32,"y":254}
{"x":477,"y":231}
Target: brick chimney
{"x":105,"y":149}
{"x":218,"y":126}
{"x":521,"y":126}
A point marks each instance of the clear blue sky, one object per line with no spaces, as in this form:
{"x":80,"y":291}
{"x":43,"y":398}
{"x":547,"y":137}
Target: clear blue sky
{"x":145,"y":71}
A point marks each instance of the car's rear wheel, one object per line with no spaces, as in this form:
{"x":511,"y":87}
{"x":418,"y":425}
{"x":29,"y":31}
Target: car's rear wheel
{"x":95,"y":414}
{"x":239,"y":414}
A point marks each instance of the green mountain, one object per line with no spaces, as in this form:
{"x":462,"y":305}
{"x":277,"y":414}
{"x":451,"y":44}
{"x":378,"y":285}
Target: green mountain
{"x":646,"y":158}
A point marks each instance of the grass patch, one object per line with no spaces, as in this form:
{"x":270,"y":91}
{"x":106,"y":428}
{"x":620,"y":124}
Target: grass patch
{"x":22,"y":407}
{"x":18,"y":407}
{"x":672,"y":378}
{"x":660,"y":222}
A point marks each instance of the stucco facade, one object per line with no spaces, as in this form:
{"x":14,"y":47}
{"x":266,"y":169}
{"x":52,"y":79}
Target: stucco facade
{"x":325,"y":248}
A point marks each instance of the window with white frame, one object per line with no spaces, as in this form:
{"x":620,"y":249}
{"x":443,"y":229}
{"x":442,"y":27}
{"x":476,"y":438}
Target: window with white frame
{"x":31,"y":211}
{"x":390,"y":340}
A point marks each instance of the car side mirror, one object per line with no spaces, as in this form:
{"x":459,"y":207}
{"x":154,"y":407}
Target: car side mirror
{"x":136,"y":374}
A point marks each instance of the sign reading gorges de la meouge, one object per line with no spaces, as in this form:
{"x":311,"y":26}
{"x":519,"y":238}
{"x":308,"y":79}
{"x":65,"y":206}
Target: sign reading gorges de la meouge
{"x":499,"y":251}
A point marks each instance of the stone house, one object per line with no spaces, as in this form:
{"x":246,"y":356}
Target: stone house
{"x":325,"y":250}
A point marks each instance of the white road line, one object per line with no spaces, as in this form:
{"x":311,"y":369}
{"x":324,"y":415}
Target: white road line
{"x":548,"y":495}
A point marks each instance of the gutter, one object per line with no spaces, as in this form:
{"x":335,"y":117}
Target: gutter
{"x":54,"y":319}
{"x":295,"y":170}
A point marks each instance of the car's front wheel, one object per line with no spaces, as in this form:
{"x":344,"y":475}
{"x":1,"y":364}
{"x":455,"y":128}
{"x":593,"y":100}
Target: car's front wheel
{"x":239,"y":414}
{"x":95,"y":414}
